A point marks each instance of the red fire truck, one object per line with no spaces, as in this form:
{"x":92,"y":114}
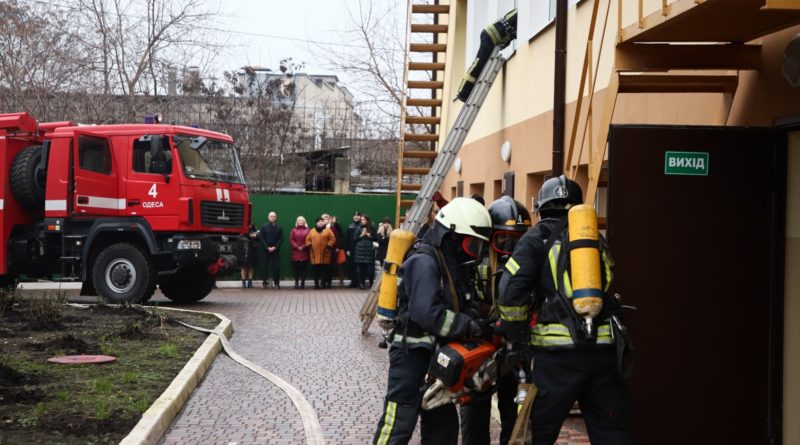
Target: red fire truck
{"x":122,"y":208}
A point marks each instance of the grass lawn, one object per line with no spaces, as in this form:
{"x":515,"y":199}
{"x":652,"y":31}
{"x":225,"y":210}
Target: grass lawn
{"x":44,"y":403}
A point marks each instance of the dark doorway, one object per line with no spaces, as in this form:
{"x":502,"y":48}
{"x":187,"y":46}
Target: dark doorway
{"x":695,"y":252}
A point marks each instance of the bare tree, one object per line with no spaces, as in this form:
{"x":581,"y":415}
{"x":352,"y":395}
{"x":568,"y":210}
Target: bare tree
{"x":41,"y":58}
{"x":373,"y":61}
{"x":136,"y":44}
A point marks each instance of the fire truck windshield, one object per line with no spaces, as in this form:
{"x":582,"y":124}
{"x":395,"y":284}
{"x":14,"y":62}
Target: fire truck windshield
{"x":204,"y":158}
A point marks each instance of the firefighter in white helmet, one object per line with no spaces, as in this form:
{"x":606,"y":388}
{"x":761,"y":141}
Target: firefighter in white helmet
{"x":436,"y":304}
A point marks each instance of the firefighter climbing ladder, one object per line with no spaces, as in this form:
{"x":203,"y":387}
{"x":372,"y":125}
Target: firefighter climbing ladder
{"x":417,"y":215}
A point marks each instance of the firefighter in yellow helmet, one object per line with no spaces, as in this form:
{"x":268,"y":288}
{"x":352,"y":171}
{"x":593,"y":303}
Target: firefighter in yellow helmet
{"x":510,"y":220}
{"x":436,"y":304}
{"x":570,"y":362}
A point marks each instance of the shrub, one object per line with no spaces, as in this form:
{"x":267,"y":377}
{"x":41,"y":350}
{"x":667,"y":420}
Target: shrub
{"x":9,"y":296}
{"x":47,"y":309}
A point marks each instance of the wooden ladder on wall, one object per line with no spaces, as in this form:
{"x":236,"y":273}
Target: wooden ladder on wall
{"x":649,"y":67}
{"x":420,"y":113}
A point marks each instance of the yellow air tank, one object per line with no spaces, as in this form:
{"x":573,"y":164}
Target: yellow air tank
{"x":587,"y":286}
{"x":399,"y":242}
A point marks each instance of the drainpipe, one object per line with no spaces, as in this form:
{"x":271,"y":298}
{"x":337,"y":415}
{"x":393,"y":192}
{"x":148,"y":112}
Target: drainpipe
{"x":560,"y":87}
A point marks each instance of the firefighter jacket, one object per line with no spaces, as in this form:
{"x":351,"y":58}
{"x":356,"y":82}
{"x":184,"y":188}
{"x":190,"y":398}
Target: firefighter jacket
{"x":428,"y":310}
{"x":536,"y":279}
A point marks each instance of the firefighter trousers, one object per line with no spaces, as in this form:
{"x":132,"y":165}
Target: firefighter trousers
{"x":589,"y":376}
{"x":476,"y":416}
{"x":407,"y":370}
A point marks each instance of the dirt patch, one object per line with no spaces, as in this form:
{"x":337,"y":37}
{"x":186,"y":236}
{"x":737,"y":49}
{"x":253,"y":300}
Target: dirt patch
{"x":43,"y":403}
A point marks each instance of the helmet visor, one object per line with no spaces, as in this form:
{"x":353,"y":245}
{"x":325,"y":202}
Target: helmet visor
{"x":504,"y":241}
{"x":474,"y":247}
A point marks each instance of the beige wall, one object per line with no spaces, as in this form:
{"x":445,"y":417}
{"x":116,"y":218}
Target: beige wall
{"x":791,"y":310}
{"x":519,"y":106}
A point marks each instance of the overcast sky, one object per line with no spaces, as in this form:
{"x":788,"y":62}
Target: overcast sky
{"x":267,"y":31}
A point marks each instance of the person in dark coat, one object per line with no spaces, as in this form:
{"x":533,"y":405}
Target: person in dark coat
{"x":337,"y":268}
{"x":382,"y":238}
{"x":353,"y":231}
{"x":271,"y":238}
{"x":365,"y":252}
{"x":251,"y":256}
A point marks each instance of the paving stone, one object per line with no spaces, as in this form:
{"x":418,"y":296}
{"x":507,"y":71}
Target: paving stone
{"x":310,"y":338}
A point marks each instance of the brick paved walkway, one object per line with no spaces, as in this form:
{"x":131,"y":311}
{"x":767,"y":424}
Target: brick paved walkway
{"x":309,"y":338}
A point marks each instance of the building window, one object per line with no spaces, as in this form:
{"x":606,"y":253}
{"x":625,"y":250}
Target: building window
{"x":477,"y":189}
{"x":533,"y":182}
{"x":453,"y":193}
{"x":534,"y":16}
{"x":508,"y":184}
{"x":498,"y":189}
{"x":460,"y":188}
{"x":94,"y":155}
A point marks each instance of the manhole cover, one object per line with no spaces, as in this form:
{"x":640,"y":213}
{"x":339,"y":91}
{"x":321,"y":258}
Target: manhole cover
{"x":81,"y":359}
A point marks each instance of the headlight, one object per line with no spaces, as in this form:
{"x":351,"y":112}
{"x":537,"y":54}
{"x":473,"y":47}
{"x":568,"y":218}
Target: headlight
{"x":190,"y":244}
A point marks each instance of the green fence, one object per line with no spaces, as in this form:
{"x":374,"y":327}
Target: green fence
{"x":311,"y":206}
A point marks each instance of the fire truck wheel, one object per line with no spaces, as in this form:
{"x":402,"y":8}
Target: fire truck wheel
{"x":124,"y":273}
{"x":188,"y":285}
{"x":27,"y":181}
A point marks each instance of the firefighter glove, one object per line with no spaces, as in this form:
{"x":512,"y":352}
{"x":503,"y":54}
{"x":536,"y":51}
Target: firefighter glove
{"x":515,"y":331}
{"x":475,"y":329}
{"x":437,"y":395}
{"x":487,"y":328}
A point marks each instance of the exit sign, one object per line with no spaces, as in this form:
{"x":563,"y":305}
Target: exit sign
{"x":687,"y":163}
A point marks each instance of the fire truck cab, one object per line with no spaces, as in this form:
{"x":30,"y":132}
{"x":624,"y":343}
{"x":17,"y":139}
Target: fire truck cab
{"x":122,"y":208}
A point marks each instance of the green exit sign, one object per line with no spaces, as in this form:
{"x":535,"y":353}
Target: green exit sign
{"x":688,"y":163}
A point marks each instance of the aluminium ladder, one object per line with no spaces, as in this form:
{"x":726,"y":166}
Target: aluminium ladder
{"x":417,"y":215}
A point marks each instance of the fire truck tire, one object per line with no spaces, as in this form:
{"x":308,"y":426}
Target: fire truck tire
{"x":124,"y":273}
{"x":26,"y":180}
{"x":188,"y":285}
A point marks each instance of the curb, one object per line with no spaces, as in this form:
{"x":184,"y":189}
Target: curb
{"x":51,"y":285}
{"x":157,"y":419}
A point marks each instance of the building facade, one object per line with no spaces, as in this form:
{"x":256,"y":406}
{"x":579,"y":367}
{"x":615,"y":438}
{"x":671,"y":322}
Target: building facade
{"x":733,"y":99}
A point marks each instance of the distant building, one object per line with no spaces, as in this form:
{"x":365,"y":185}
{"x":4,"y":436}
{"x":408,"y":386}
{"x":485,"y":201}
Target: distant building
{"x":325,"y":108}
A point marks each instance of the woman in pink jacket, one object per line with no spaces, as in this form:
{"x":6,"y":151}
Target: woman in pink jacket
{"x":297,"y":238}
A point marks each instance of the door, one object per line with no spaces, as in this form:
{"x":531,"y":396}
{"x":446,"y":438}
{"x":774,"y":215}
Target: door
{"x":691,"y":225}
{"x":96,"y":177}
{"x":151,"y":190}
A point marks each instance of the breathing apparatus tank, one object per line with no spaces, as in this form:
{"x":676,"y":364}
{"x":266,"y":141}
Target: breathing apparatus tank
{"x":587,"y":286}
{"x":399,"y":242}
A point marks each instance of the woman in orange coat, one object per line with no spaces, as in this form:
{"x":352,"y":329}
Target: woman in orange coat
{"x":321,"y":241}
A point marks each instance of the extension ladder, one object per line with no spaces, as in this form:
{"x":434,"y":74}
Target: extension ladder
{"x":417,"y":215}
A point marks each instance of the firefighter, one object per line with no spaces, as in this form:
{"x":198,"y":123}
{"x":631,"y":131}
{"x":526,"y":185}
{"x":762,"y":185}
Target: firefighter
{"x":570,"y":363}
{"x":510,"y":220}
{"x":436,"y":299}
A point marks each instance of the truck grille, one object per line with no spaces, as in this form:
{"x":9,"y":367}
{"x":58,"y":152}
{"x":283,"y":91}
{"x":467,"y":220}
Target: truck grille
{"x":221,"y":214}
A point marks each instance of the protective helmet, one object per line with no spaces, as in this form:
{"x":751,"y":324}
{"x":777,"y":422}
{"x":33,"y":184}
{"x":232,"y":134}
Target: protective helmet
{"x":466,"y":216}
{"x":509,"y":214}
{"x":558,"y":192}
{"x":510,"y":220}
{"x":469,"y":220}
